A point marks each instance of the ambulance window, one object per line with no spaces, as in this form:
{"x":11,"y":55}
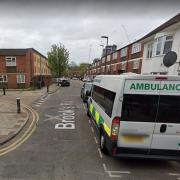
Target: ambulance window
{"x":139,"y":108}
{"x":104,"y":98}
{"x":169,"y":109}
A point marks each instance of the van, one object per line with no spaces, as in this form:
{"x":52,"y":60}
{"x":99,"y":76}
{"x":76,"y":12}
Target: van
{"x":137,"y":116}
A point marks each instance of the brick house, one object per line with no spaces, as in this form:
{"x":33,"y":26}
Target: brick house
{"x":126,"y":59}
{"x":20,"y":68}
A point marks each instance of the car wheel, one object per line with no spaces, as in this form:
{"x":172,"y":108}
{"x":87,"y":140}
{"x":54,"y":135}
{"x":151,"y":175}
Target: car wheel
{"x":102,"y":143}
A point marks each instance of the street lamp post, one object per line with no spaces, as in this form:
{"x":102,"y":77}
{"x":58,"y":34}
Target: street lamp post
{"x":105,"y":37}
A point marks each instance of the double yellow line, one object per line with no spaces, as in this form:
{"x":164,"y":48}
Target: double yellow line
{"x":25,"y":136}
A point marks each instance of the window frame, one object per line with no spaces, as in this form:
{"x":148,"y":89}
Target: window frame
{"x":2,"y":76}
{"x":22,"y":80}
{"x":163,"y":42}
{"x":10,"y":64}
{"x":136,"y":47}
{"x":149,"y":53}
{"x":123,"y":52}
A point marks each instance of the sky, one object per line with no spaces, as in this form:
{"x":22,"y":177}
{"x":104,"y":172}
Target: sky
{"x":79,"y":24}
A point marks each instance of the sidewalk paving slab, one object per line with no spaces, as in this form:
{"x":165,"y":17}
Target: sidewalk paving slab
{"x":11,"y":123}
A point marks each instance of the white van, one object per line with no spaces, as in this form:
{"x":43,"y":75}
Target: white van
{"x":137,"y":115}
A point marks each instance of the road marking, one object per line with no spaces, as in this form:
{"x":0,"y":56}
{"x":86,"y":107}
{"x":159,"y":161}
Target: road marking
{"x":42,"y":100}
{"x":173,"y":174}
{"x":92,"y":129}
{"x":95,"y":140}
{"x":100,"y":154}
{"x":37,"y":105}
{"x":114,"y":174}
{"x":104,"y":166}
{"x":89,"y":121}
{"x":25,"y":136}
{"x":84,"y":108}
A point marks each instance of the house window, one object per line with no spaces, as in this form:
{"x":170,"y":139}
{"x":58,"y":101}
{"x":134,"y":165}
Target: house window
{"x":103,"y":60}
{"x":123,"y":66}
{"x":115,"y":55}
{"x":136,"y":65}
{"x":136,"y":48}
{"x":123,"y":52}
{"x":108,"y":57}
{"x":20,"y":78}
{"x":10,"y":61}
{"x":149,"y":50}
{"x":167,"y":44}
{"x":3,"y":78}
{"x":163,"y":45}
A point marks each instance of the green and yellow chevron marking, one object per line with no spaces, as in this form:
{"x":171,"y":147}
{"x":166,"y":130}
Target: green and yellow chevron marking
{"x":99,"y":119}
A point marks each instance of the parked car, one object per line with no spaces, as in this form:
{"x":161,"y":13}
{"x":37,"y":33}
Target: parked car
{"x":85,"y":91}
{"x":65,"y":82}
{"x":84,"y":79}
{"x":74,"y":78}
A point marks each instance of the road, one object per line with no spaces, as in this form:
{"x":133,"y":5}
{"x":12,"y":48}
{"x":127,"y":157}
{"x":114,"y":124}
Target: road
{"x":65,"y":147}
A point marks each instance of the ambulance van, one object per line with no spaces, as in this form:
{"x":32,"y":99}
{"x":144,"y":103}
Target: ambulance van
{"x":137,"y":115}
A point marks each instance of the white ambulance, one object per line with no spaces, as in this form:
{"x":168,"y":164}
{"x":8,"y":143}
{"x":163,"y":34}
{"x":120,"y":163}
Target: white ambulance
{"x":137,"y":115}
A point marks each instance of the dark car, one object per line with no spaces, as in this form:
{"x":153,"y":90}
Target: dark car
{"x":65,"y":82}
{"x":85,"y":91}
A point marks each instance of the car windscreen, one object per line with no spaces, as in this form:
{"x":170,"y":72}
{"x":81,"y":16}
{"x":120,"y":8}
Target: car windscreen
{"x":88,"y":86}
{"x":169,"y":109}
{"x":139,"y":108}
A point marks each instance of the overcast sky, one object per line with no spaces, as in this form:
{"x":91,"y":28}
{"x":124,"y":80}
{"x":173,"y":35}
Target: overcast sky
{"x":80,"y":24}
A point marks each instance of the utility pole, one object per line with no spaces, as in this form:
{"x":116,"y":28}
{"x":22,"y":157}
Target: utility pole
{"x":105,"y":37}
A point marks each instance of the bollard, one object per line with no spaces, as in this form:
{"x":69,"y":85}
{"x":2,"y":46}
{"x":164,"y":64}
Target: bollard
{"x":47,"y":88}
{"x":18,"y":105}
{"x":4,"y":90}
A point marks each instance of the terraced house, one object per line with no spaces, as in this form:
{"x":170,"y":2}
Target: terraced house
{"x":22,"y":68}
{"x":144,"y":56}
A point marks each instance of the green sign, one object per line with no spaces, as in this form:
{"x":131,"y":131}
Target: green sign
{"x":154,"y":87}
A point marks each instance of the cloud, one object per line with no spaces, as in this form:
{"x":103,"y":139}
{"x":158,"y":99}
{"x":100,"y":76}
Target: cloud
{"x":79,"y":26}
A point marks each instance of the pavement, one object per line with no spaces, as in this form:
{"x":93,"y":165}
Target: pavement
{"x":27,"y":96}
{"x":11,"y":123}
{"x":64,"y":146}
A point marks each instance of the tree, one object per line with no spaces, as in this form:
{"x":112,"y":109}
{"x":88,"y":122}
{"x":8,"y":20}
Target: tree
{"x":83,"y":68}
{"x":58,"y":59}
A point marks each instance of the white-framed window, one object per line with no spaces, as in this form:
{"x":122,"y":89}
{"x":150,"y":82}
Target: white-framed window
{"x":115,"y":55}
{"x":108,"y":57}
{"x":124,"y":52}
{"x":102,"y":68}
{"x":136,"y":65}
{"x":10,"y":61}
{"x":149,"y":50}
{"x":103,"y":60}
{"x":114,"y":67}
{"x":163,"y":45}
{"x":3,"y":78}
{"x":108,"y":68}
{"x":20,"y":78}
{"x":123,"y":66}
{"x":136,"y":48}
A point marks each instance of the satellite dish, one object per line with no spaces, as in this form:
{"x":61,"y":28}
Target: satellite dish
{"x":170,"y":58}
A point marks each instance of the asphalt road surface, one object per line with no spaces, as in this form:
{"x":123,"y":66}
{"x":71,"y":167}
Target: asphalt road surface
{"x":65,"y":147}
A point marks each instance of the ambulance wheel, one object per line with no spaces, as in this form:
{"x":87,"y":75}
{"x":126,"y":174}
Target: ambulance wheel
{"x":102,"y":143}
